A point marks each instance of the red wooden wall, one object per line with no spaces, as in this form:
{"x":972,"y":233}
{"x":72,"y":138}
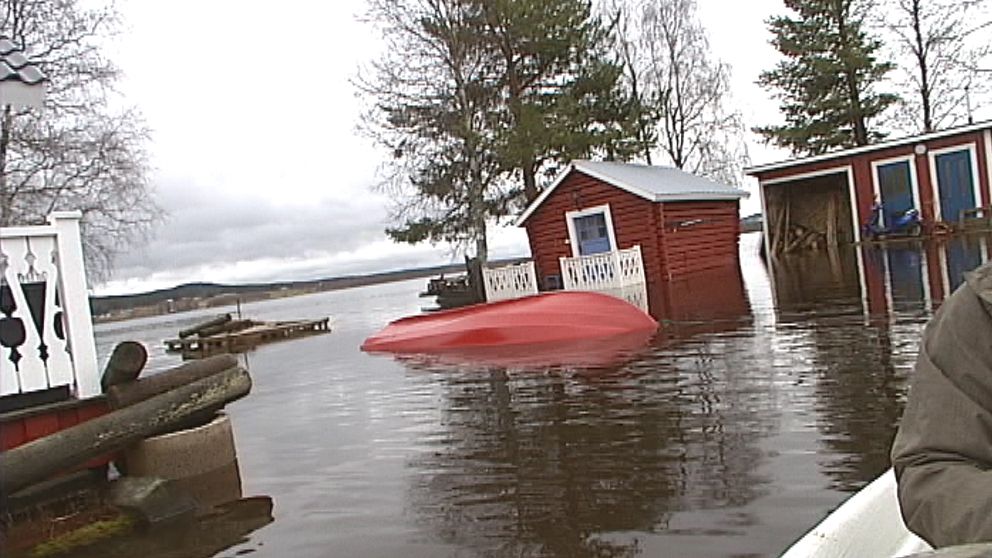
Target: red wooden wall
{"x":697,"y":236}
{"x":21,"y":427}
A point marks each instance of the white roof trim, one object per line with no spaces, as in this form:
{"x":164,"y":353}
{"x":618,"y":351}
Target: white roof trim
{"x":650,"y":196}
{"x":751,"y":171}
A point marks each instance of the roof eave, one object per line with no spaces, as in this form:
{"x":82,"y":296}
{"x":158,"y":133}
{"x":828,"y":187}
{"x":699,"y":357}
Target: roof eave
{"x":701,"y":196}
{"x":754,"y":171}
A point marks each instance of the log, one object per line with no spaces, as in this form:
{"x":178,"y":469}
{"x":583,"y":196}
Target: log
{"x":124,"y":364}
{"x":228,"y":327}
{"x":123,"y":395}
{"x":39,"y":459}
{"x":190,"y":331}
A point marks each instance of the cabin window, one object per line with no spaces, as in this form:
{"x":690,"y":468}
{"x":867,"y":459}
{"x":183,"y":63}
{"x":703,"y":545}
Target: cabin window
{"x":954,"y":172}
{"x":590,"y":231}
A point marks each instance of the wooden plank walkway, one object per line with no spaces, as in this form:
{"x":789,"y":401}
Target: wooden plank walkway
{"x":246,"y":339}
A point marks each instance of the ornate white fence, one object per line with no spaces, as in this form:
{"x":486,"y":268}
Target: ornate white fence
{"x":511,"y":281}
{"x":46,"y":331}
{"x":619,"y":273}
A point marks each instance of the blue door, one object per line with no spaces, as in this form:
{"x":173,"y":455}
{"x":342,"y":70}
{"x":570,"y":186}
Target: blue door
{"x":955,"y":183}
{"x":593,"y":235}
{"x":896,"y":189}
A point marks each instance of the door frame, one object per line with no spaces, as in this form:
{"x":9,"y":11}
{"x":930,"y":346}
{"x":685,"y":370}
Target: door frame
{"x":573,"y":237}
{"x":976,"y":182}
{"x":914,"y":183}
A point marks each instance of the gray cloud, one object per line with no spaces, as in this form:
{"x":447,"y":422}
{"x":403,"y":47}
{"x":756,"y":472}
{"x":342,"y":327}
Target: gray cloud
{"x":205,"y":229}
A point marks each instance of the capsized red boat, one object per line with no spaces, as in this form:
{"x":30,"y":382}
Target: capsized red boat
{"x":562,"y":316}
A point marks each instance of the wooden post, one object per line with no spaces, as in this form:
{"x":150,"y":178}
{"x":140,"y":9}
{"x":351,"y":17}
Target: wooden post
{"x":124,"y":364}
{"x":39,"y":459}
{"x":76,"y":302}
{"x":832,"y":220}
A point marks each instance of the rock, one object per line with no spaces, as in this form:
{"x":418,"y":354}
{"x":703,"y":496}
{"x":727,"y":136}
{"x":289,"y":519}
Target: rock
{"x":151,"y":500}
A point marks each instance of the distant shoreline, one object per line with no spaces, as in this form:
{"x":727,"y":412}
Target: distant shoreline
{"x":197,"y":296}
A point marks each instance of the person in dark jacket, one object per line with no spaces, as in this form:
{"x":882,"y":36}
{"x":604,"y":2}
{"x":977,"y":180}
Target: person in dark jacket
{"x":942,"y":453}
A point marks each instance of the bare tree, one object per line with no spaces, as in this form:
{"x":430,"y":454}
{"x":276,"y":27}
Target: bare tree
{"x":684,"y":91}
{"x":943,"y":43}
{"x":78,"y":153}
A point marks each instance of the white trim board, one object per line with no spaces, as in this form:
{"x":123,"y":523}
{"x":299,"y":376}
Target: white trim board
{"x":914,"y":182}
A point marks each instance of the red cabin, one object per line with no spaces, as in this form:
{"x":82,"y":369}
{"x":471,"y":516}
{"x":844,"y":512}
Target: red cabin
{"x":682,"y":224}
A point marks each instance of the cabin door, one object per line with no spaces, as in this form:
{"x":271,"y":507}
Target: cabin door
{"x":956,"y":184}
{"x":896,"y":189}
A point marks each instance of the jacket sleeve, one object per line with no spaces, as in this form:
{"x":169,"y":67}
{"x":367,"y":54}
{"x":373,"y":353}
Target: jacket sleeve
{"x":942,"y":453}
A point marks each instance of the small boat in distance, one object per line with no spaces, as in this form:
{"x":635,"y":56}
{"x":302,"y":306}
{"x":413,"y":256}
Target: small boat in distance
{"x":547,"y":318}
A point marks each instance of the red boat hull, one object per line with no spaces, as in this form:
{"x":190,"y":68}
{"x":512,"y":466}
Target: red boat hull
{"x":549,"y":318}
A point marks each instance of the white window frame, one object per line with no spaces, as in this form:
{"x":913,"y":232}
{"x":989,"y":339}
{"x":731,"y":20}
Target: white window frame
{"x":976,"y":182}
{"x":914,"y":183}
{"x":573,"y":236}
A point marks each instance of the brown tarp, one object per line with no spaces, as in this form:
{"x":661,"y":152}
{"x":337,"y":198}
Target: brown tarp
{"x":942,"y":453}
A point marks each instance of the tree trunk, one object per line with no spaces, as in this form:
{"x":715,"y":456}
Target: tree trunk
{"x":921,"y":60}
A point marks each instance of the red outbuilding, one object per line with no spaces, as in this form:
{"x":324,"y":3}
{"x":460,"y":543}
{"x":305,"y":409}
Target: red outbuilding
{"x":945,"y":176}
{"x":681,"y":224}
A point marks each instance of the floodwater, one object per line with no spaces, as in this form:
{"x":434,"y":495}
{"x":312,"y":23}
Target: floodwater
{"x":730,"y":434}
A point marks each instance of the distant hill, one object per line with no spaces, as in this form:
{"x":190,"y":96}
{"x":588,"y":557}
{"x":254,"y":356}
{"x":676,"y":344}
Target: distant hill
{"x":201,"y":295}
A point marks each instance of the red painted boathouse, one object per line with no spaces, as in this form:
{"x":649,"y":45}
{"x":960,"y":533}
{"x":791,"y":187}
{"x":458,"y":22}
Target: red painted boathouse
{"x":945,"y":175}
{"x":682,"y":224}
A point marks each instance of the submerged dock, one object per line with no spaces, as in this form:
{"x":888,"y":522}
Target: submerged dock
{"x":242,"y":335}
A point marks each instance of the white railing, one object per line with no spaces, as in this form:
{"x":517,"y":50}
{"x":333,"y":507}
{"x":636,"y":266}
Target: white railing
{"x":619,"y":273}
{"x":46,"y":331}
{"x":511,"y":281}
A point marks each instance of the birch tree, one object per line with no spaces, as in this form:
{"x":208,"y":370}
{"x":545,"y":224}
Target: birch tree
{"x":434,"y":104}
{"x":940,"y":44}
{"x":79,"y":152}
{"x":683,"y":92}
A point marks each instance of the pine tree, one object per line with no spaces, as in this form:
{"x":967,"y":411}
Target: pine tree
{"x":827,"y":82}
{"x":564,"y":95}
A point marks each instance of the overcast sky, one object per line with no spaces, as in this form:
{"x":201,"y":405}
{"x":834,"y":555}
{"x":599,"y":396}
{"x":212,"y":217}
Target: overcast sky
{"x":256,"y":157}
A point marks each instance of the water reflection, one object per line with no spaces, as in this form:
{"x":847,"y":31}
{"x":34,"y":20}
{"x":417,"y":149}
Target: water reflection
{"x":545,"y":461}
{"x":224,"y":528}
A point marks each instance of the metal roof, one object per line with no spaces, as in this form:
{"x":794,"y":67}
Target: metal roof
{"x":752,"y":171}
{"x":22,"y":83}
{"x":653,"y":183}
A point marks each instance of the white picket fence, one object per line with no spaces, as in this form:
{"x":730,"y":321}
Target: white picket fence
{"x":619,"y":273}
{"x":511,"y":281}
{"x":46,"y":330}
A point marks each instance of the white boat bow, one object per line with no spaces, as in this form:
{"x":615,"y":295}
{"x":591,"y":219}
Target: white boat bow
{"x":868,"y":523}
